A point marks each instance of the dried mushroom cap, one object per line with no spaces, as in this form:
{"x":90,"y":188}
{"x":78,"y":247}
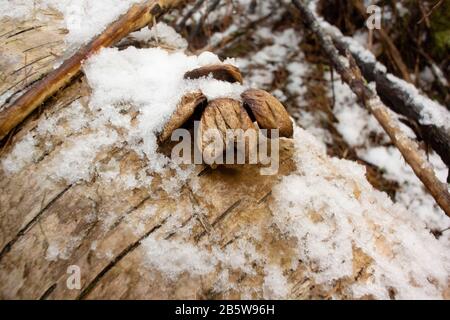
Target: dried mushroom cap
{"x":184,"y":111}
{"x":224,"y":72}
{"x":268,"y":111}
{"x":219,"y":116}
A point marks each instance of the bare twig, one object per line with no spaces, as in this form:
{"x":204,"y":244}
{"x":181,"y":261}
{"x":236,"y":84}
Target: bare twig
{"x":390,"y":45}
{"x":136,"y":18}
{"x":427,"y":15}
{"x":352,"y":76}
{"x":212,"y":6}
{"x":399,"y":99}
{"x":227,"y":40}
{"x":188,"y":15}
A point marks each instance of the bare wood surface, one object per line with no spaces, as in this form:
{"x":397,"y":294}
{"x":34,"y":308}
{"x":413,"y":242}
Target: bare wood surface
{"x":352,"y":76}
{"x":28,"y":51}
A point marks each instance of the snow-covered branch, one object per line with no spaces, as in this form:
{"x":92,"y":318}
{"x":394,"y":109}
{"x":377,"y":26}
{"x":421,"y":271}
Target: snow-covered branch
{"x":352,"y":76}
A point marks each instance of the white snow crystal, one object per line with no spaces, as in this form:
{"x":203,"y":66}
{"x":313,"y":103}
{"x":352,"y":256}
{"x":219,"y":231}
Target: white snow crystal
{"x":329,"y":206}
{"x":174,"y":258}
{"x":161,"y":32}
{"x":83,"y":18}
{"x":275,"y":283}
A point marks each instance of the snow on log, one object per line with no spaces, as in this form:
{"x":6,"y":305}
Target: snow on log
{"x":137,"y":17}
{"x":86,"y":184}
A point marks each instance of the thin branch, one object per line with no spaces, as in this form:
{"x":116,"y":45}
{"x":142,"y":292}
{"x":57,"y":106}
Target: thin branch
{"x":137,"y":17}
{"x":388,"y":42}
{"x":188,"y":15}
{"x":397,"y":97}
{"x":352,"y":76}
{"x":212,"y":6}
{"x":427,"y":15}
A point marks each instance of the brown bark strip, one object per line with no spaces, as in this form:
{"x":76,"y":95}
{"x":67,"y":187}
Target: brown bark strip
{"x":136,"y":18}
{"x":352,"y":76}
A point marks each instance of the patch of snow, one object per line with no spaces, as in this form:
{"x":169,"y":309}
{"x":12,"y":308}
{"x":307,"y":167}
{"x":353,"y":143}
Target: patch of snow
{"x":74,"y":163}
{"x":84,"y":19}
{"x":432,"y":112}
{"x":275,"y":283}
{"x":329,"y":207}
{"x":62,"y":247}
{"x":174,"y":258}
{"x":23,"y":153}
{"x":161,"y":33}
{"x":411,"y":193}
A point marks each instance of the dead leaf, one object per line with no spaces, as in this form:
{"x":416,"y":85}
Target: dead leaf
{"x":184,"y":111}
{"x":268,"y":111}
{"x":224,"y":72}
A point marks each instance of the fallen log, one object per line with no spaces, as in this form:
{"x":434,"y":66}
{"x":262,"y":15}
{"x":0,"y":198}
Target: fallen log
{"x":136,"y":18}
{"x":315,"y":230}
{"x":369,"y":98}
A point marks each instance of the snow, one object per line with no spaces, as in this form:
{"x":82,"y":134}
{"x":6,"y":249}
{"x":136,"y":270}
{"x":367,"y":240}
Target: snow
{"x":161,"y":33}
{"x":33,"y":146}
{"x":83,"y":18}
{"x":275,"y":283}
{"x":329,"y":207}
{"x":198,"y":260}
{"x":24,"y":152}
{"x":75,"y":162}
{"x":432,"y":112}
{"x":412,"y":193}
{"x":62,"y":247}
{"x":173,"y":257}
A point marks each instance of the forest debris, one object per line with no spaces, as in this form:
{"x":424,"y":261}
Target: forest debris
{"x":224,"y":72}
{"x":386,"y":39}
{"x":402,"y":97}
{"x":188,"y":15}
{"x":138,"y":16}
{"x":268,"y":111}
{"x":352,"y":76}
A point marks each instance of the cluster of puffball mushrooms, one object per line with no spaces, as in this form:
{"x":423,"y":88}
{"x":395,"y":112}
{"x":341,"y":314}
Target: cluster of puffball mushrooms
{"x":258,"y":109}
